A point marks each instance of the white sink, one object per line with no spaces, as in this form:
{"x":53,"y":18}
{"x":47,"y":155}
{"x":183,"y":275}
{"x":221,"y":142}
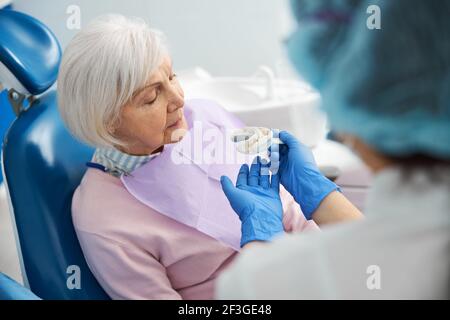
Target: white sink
{"x":262,"y":100}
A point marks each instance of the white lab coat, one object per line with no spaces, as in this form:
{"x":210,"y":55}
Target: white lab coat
{"x":401,"y":250}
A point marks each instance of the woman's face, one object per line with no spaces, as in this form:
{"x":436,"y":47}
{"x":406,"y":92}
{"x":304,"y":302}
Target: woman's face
{"x":154,"y":117}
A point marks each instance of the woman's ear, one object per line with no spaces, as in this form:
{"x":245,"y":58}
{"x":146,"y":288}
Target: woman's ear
{"x":113,"y":126}
{"x":374,"y":159}
{"x":113,"y":129}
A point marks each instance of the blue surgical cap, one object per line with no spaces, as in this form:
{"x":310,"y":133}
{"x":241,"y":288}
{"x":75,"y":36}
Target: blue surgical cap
{"x":389,"y":87}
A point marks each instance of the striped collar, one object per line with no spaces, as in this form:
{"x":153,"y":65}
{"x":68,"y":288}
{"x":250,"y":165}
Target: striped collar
{"x":119,"y":163}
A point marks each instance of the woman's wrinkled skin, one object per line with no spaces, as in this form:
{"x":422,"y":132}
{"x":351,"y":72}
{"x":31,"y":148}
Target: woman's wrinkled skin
{"x":154,"y":116}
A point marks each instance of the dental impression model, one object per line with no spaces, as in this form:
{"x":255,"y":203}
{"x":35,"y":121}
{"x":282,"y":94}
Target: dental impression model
{"x":253,"y":140}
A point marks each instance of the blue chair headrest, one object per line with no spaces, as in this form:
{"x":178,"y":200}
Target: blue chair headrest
{"x":29,"y":50}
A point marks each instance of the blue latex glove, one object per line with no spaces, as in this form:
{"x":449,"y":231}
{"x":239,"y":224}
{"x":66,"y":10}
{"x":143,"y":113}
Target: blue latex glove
{"x":11,"y":290}
{"x":256,"y":200}
{"x":299,"y":174}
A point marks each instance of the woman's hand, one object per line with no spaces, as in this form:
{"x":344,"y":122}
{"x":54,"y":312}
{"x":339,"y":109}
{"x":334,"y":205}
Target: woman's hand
{"x":256,"y":200}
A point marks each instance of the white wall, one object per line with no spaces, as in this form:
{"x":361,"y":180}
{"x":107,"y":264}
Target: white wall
{"x":227,"y":37}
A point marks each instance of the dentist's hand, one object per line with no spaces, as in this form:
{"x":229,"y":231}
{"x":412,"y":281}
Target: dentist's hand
{"x":256,"y":200}
{"x":299,"y":174}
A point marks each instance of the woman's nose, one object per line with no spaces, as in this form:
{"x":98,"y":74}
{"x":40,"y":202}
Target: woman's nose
{"x":176,"y":99}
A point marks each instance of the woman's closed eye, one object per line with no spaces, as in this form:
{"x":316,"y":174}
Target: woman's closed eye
{"x":150,"y":102}
{"x":152,"y":99}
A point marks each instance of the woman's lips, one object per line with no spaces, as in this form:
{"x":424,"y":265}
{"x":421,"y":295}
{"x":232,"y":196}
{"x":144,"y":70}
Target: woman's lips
{"x":178,"y":123}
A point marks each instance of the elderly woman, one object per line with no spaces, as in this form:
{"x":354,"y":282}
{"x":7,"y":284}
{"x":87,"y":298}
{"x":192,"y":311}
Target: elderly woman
{"x":117,"y":91}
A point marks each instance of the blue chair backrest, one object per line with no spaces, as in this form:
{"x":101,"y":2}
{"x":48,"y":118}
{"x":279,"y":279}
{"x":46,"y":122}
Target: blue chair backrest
{"x":43,"y":165}
{"x":7,"y":116}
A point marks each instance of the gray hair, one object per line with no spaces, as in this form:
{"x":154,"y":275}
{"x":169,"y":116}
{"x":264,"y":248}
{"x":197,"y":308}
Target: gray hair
{"x":103,"y":65}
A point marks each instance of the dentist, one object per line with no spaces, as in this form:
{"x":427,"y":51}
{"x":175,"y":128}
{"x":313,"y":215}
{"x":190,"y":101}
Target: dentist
{"x":386,"y":92}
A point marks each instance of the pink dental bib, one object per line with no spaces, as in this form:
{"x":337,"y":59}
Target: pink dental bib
{"x":183,"y":182}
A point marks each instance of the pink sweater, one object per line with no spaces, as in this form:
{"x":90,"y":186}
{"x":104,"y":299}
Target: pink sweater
{"x":137,"y":253}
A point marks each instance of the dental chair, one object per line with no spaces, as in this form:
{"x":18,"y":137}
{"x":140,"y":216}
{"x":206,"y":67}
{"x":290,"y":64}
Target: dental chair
{"x":42,"y":164}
